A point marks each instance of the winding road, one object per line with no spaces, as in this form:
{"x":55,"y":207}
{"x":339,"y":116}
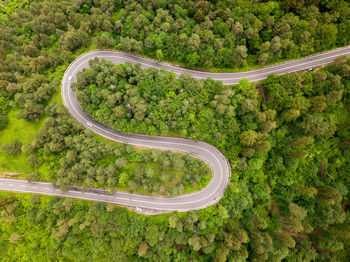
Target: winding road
{"x":213,"y":192}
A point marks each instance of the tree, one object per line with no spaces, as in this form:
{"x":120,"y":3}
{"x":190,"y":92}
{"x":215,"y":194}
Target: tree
{"x":286,"y":240}
{"x":297,"y":211}
{"x":73,"y":39}
{"x":231,"y":241}
{"x":276,"y":44}
{"x":97,"y":229}
{"x":61,"y":231}
{"x":33,"y":160}
{"x":104,"y":41}
{"x":14,"y":238}
{"x":291,"y":115}
{"x":195,"y":242}
{"x":256,"y":242}
{"x":259,"y":223}
{"x":334,"y":96}
{"x":142,"y":249}
{"x":12,"y":148}
{"x":159,"y":55}
{"x":193,"y":58}
{"x":221,"y":253}
{"x":126,"y":44}
{"x":249,"y":137}
{"x":268,"y":126}
{"x":262,"y":146}
{"x":299,"y":154}
{"x":302,"y":141}
{"x":34,"y":176}
{"x":328,"y":195}
{"x":326,"y":35}
{"x":152,"y":235}
{"x":123,"y":179}
{"x":249,"y":105}
{"x":308,"y":191}
{"x":173,"y":220}
{"x":222,"y":212}
{"x":332,"y":244}
{"x":238,"y":28}
{"x":318,"y":104}
{"x":194,"y":42}
{"x":292,"y":224}
{"x":263,"y":58}
{"x":240,"y":55}
{"x":315,"y":125}
{"x":320,"y":76}
{"x":121,"y":162}
{"x":3,"y":121}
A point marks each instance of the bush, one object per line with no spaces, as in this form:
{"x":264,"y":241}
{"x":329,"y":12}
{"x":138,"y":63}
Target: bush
{"x":13,"y":148}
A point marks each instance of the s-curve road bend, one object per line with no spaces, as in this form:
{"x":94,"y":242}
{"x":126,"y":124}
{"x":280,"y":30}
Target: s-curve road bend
{"x":213,"y":157}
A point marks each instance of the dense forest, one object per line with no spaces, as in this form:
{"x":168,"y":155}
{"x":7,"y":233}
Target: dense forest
{"x":39,"y":39}
{"x":287,"y":138}
{"x":288,"y":201}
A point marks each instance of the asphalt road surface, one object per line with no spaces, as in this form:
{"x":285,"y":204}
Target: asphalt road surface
{"x":213,"y":192}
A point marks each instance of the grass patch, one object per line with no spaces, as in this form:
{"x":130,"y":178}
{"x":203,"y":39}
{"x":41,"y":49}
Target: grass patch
{"x":23,"y":131}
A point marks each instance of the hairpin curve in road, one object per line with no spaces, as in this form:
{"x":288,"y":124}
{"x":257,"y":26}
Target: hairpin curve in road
{"x":219,"y":164}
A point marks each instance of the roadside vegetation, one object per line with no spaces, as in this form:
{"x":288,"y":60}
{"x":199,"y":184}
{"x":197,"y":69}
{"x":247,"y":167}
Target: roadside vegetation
{"x":73,"y":156}
{"x":287,"y":138}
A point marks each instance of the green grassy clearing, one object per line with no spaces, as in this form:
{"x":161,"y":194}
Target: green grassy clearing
{"x":22,"y":130}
